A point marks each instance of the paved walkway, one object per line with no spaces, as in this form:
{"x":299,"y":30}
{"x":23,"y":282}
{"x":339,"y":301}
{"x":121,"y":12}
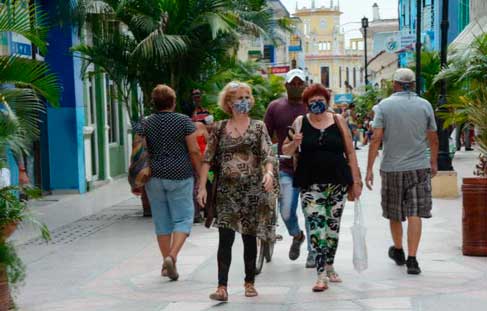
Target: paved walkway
{"x":109,"y":260}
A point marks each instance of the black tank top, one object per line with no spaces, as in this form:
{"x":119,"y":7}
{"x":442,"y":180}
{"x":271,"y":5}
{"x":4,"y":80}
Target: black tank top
{"x":322,"y":159}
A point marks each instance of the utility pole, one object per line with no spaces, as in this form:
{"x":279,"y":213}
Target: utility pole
{"x":444,"y":161}
{"x":418,"y":46}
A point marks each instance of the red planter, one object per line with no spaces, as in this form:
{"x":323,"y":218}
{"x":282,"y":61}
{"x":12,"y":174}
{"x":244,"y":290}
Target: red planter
{"x":5,"y":299}
{"x":474,"y":220}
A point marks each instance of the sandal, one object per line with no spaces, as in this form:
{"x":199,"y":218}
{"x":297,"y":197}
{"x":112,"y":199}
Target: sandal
{"x":164,"y":271}
{"x":321,"y":284}
{"x":333,"y":276}
{"x":220,"y":294}
{"x":250,"y":290}
{"x":170,"y":264}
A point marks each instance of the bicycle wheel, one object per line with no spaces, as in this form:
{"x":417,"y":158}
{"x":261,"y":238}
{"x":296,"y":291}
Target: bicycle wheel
{"x":269,"y":251}
{"x":260,"y":256}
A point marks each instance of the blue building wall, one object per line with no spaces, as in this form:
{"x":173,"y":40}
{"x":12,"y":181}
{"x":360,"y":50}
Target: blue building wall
{"x":431,"y":24}
{"x":64,"y":125}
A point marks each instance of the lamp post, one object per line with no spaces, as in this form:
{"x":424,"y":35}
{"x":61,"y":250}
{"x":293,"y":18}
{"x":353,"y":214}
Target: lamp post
{"x":365,"y":25}
{"x":418,"y":47}
{"x":444,"y":161}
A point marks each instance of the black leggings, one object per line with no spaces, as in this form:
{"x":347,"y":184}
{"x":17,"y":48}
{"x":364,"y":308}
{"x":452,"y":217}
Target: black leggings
{"x":227,"y":237}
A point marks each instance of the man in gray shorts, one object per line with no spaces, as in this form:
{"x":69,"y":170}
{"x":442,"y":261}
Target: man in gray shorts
{"x":406,"y":124}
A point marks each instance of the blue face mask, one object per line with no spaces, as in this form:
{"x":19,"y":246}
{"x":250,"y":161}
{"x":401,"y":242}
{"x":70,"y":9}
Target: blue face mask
{"x":242,"y":106}
{"x":317,"y":107}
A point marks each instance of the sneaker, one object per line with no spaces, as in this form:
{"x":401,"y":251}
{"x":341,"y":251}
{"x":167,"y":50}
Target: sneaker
{"x":296,"y":247}
{"x":397,"y":255}
{"x":413,"y":266}
{"x":468,"y":149}
{"x":310,"y":261}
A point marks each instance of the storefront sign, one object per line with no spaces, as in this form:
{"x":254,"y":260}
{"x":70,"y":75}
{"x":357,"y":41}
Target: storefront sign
{"x":392,"y":42}
{"x":295,"y":48}
{"x":19,"y":45}
{"x":343,"y":98}
{"x":278,"y":70}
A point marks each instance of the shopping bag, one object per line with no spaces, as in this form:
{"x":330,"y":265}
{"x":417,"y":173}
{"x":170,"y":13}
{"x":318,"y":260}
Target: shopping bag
{"x":360,"y":259}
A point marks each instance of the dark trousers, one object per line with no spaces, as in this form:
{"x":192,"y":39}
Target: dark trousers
{"x":227,"y":237}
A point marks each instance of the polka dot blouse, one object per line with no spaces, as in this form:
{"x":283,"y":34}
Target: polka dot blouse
{"x":166,"y":133}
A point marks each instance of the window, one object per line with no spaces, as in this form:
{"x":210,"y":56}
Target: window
{"x":347,"y":75}
{"x":361,"y":76}
{"x":323,"y":24}
{"x":324,"y":46}
{"x":112,"y":111}
{"x":91,"y":99}
{"x":325,"y":76}
{"x":269,"y":55}
{"x":306,"y":28}
{"x":464,"y":14}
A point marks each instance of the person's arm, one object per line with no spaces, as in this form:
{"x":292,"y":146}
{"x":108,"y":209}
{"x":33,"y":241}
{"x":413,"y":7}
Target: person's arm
{"x":208,"y":159}
{"x":268,"y":160}
{"x":269,"y":121}
{"x":432,"y":136}
{"x":434,"y":145}
{"x":194,"y":151}
{"x":290,"y":146}
{"x":23,"y":177}
{"x":374,"y":146}
{"x":351,"y":156}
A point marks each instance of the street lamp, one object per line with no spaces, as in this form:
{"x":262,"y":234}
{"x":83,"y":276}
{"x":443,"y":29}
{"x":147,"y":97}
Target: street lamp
{"x":444,"y":161}
{"x":365,"y":25}
{"x":418,"y":46}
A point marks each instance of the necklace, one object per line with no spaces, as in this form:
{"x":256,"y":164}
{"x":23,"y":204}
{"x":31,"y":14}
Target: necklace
{"x":234,"y":126}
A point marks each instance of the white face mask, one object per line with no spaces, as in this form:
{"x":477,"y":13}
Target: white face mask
{"x":209,"y":120}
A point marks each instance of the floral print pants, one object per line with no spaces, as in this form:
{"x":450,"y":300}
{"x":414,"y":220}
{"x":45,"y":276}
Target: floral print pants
{"x":323,"y":208}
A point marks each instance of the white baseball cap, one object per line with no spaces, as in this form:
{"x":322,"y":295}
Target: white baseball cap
{"x":295,"y":73}
{"x":404,"y":75}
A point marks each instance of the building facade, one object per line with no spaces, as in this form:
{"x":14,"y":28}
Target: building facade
{"x":327,"y":58}
{"x":458,"y":15}
{"x":382,"y":62}
{"x":85,"y":141}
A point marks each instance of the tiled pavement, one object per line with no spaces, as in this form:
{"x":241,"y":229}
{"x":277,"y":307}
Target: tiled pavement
{"x":110,"y":261}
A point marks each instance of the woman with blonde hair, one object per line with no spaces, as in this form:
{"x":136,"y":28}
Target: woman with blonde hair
{"x":239,"y":149}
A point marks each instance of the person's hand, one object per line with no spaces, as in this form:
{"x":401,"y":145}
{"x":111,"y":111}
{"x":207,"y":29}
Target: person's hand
{"x":369,"y":179}
{"x":268,"y":182}
{"x":137,"y":191}
{"x":23,"y":178}
{"x":298,"y":139}
{"x":434,"y":169}
{"x":202,"y":196}
{"x":357,"y":190}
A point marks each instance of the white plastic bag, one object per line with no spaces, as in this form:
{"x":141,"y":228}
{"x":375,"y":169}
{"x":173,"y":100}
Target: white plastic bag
{"x":4,"y":177}
{"x":360,"y":258}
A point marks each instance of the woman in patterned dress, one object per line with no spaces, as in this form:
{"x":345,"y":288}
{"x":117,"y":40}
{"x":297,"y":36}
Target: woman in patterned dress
{"x":324,"y":176}
{"x":240,"y":150}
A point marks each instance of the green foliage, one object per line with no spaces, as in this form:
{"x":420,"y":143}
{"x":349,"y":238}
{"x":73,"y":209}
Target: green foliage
{"x":13,"y":210}
{"x":372,"y":96}
{"x":179,"y":43}
{"x":467,"y":70}
{"x":265,"y":89}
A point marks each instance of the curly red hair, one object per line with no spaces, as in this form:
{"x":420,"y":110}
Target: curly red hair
{"x":314,"y":90}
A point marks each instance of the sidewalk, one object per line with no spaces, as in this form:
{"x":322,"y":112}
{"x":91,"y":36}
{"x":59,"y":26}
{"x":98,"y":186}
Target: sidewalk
{"x":104,"y":257}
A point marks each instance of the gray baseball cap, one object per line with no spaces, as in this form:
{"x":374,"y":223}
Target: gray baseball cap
{"x":404,"y":75}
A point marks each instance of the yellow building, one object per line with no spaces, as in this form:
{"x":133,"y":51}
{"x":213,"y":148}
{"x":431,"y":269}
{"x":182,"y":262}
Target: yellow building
{"x":328,"y":60}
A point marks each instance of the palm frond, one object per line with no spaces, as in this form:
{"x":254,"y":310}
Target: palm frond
{"x":30,"y":73}
{"x":159,"y":47}
{"x":26,"y":20}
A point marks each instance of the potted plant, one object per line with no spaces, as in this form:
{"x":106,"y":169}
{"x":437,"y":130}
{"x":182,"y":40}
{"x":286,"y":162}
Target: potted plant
{"x":468,"y":70}
{"x":13,"y":211}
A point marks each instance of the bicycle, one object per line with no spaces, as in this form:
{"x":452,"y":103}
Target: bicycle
{"x":265,"y":249}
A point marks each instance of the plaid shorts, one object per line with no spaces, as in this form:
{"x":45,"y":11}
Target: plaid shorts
{"x":406,"y":194}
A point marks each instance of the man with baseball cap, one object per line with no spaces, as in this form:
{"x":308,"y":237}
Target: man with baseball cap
{"x":280,"y":114}
{"x":406,"y":124}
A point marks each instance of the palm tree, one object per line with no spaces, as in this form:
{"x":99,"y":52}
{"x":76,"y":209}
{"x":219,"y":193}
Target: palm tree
{"x":24,"y":83}
{"x":166,"y":41}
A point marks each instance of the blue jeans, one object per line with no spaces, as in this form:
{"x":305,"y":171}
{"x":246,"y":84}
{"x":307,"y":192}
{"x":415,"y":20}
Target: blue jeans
{"x":172,"y":205}
{"x":288,"y":205}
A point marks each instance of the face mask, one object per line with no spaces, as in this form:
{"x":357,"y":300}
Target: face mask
{"x":295,"y":92}
{"x":317,"y":107}
{"x":241,"y":106}
{"x":209,"y":120}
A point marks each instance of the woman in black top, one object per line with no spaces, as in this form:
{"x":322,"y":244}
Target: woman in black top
{"x":324,"y":175}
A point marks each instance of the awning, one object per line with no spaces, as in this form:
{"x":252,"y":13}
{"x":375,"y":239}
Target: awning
{"x":473,"y":30}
